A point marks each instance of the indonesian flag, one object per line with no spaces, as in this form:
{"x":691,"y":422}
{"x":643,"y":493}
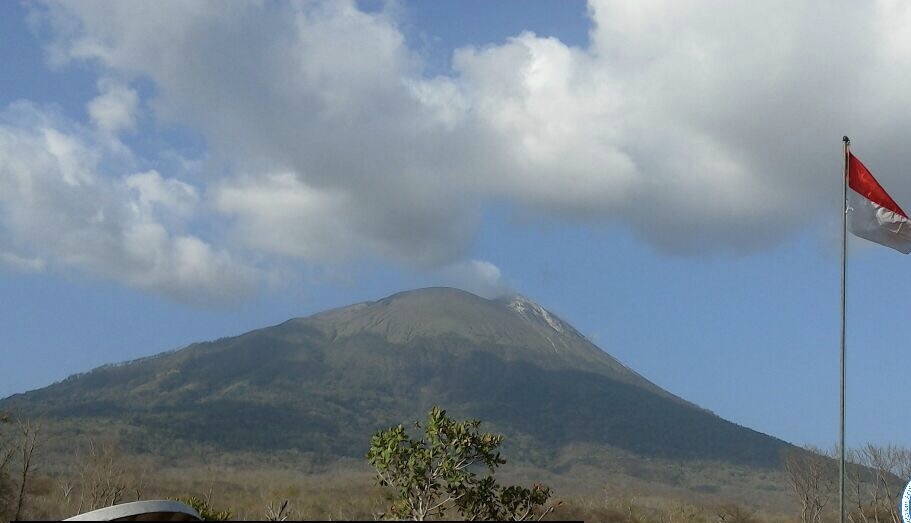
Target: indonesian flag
{"x":874,"y":214}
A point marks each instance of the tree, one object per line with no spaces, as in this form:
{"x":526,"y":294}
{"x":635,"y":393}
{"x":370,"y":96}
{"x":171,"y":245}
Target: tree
{"x":8,"y":448}
{"x":102,"y":476}
{"x":205,"y":505}
{"x":29,"y":433}
{"x":439,"y":473}
{"x":876,"y":477}
{"x":206,"y":512}
{"x":813,"y":476}
{"x":278,"y":511}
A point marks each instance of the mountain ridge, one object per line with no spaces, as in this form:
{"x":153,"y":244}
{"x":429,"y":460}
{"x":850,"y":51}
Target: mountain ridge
{"x":322,"y":383}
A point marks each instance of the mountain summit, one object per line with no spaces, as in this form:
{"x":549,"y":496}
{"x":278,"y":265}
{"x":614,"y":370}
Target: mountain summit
{"x":513,"y":327}
{"x":322,"y":384}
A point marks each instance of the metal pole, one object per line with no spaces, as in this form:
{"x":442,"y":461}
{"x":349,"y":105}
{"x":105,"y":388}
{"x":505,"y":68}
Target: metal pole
{"x":844,"y":265}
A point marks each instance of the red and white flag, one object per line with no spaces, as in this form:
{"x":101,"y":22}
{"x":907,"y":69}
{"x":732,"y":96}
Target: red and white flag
{"x":874,"y":215}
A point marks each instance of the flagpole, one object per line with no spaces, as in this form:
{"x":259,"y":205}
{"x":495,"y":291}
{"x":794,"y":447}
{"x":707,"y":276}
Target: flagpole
{"x":844,"y":265}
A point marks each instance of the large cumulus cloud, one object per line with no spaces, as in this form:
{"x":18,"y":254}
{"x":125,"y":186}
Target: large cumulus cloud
{"x":702,"y":126}
{"x":69,"y":200}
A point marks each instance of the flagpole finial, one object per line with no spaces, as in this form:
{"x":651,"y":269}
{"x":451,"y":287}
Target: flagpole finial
{"x":846,"y":140}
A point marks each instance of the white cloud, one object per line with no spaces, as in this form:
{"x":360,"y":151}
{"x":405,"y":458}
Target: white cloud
{"x":701,"y":126}
{"x":279,"y":213}
{"x":115,"y":108}
{"x":22,"y":263}
{"x":60,"y":211}
{"x":170,"y":197}
{"x":477,"y":276}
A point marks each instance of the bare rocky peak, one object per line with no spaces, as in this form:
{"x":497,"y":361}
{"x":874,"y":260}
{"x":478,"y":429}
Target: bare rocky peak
{"x":436,"y":310}
{"x":534,"y":312}
{"x":515,"y":321}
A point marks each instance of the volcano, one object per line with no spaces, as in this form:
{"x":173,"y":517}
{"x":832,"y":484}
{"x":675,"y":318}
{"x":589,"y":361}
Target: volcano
{"x":323,"y":384}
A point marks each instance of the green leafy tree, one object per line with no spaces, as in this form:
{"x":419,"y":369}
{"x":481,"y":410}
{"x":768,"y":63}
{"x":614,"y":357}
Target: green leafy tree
{"x":206,"y":512}
{"x":438,"y":474}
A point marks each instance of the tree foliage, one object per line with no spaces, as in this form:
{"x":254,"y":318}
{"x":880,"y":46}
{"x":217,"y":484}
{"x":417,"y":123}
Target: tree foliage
{"x":206,"y":512}
{"x":438,"y":474}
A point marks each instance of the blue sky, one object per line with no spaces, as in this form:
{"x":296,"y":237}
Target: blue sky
{"x":664,"y":177}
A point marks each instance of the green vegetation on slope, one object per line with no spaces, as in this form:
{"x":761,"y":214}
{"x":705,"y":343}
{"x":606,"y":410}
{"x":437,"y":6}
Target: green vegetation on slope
{"x":316,"y":385}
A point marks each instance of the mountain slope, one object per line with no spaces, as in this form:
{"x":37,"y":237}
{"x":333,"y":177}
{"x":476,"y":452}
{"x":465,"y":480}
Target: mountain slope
{"x":324,"y":383}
